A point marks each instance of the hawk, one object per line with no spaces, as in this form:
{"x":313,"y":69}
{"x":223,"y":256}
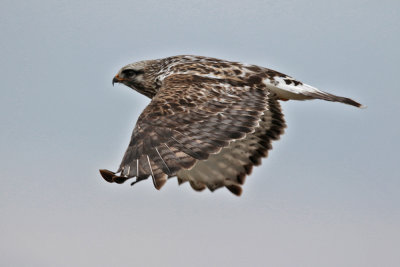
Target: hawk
{"x":209,"y":120}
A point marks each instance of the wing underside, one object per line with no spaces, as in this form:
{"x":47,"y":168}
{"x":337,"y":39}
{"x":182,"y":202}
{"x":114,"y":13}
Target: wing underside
{"x":210,"y":132}
{"x":232,"y":164}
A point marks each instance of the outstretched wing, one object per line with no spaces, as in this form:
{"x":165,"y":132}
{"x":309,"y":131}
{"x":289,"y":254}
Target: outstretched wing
{"x":191,"y":118}
{"x":230,"y":167}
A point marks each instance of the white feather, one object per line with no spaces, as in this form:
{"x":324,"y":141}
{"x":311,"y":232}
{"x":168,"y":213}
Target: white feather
{"x":290,"y":91}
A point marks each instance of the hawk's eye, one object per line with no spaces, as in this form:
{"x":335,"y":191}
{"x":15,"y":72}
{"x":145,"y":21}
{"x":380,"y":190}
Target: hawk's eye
{"x":129,"y":73}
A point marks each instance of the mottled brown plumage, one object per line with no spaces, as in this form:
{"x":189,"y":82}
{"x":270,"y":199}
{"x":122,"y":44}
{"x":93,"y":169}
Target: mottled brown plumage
{"x":209,"y":121}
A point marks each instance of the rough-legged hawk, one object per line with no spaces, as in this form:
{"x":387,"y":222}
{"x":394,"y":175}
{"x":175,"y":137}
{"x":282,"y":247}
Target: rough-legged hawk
{"x":209,"y":120}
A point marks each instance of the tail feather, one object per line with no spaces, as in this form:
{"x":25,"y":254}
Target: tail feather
{"x":335,"y":98}
{"x":289,"y":88}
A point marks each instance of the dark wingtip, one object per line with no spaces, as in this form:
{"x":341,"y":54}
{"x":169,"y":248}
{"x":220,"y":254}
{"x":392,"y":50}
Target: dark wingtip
{"x":160,"y":182}
{"x":107,"y":175}
{"x":197,"y":186}
{"x":180,"y":181}
{"x":235,"y":189}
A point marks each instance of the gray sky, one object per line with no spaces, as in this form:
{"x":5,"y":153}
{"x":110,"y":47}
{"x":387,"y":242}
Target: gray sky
{"x":328,"y":194}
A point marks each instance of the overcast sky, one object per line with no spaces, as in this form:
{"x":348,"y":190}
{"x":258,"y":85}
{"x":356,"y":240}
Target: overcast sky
{"x":327,"y":195}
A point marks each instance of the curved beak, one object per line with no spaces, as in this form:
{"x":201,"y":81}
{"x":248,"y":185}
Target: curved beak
{"x":116,"y":79}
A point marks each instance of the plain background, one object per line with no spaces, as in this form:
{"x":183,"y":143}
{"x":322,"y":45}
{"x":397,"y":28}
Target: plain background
{"x":328,"y":194}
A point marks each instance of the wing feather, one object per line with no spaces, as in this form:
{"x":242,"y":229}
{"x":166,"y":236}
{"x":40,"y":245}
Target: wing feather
{"x":230,"y":167}
{"x":190,"y":119}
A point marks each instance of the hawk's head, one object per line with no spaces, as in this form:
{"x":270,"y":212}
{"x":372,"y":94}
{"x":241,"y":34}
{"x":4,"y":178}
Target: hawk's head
{"x":137,"y":76}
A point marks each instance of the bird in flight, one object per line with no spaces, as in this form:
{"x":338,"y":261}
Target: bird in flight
{"x":209,"y":120}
